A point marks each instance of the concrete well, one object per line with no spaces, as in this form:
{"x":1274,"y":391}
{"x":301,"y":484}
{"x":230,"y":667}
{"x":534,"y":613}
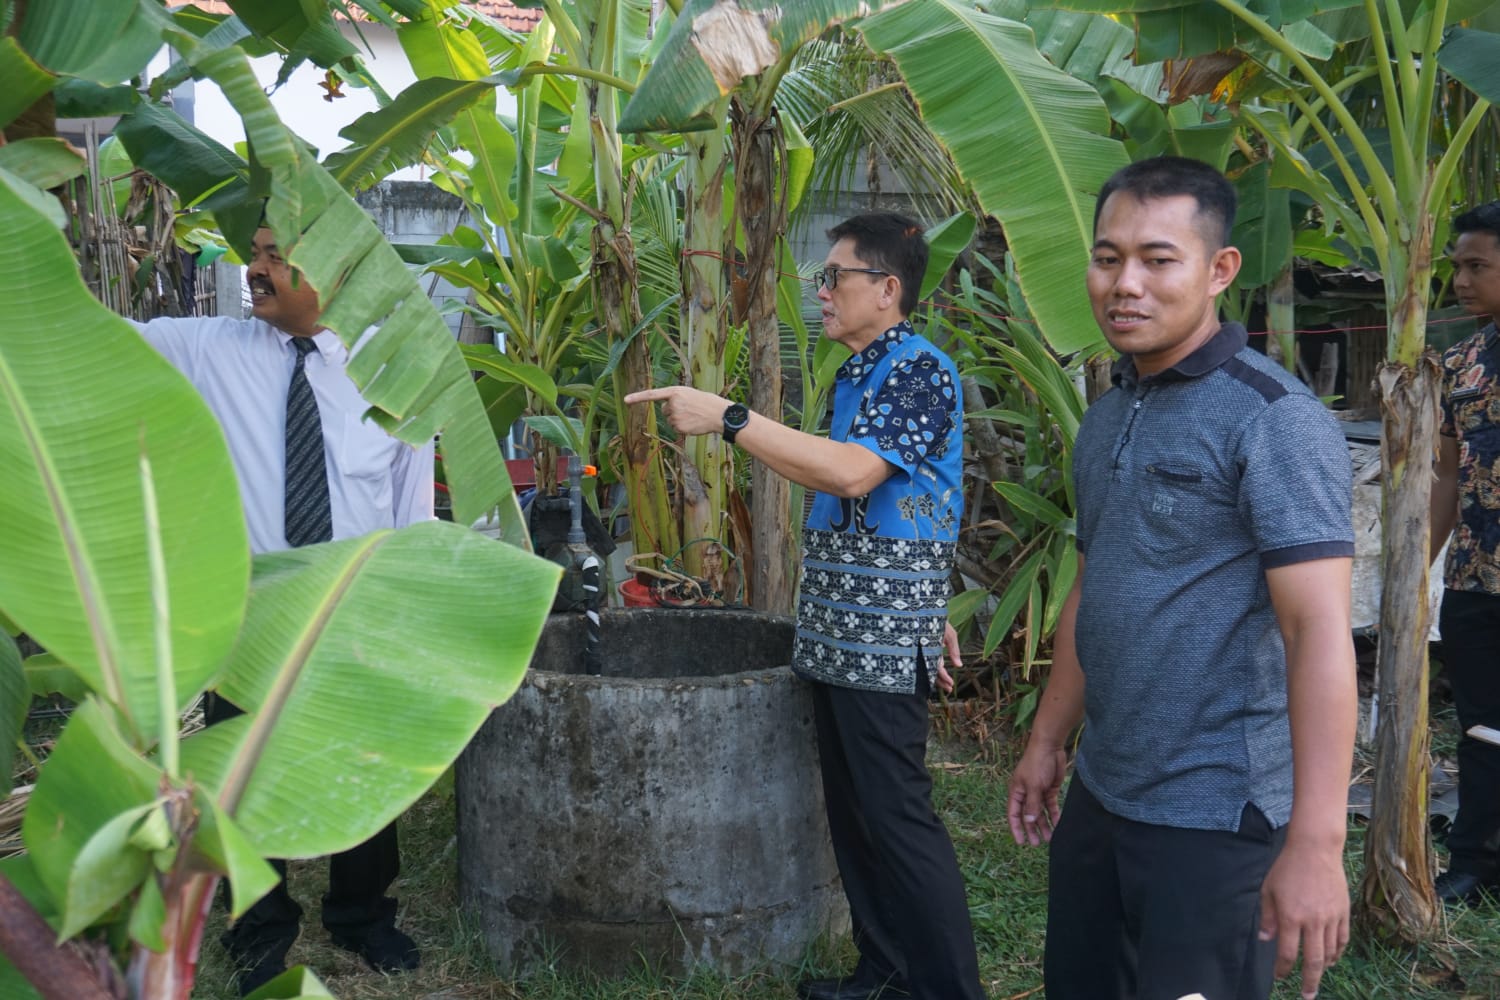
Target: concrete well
{"x":668,"y":811}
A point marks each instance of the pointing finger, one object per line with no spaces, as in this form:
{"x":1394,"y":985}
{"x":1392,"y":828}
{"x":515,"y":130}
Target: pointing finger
{"x":649,"y":395}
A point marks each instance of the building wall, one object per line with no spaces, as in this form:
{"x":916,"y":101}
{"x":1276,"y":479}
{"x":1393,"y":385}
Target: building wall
{"x":418,"y":212}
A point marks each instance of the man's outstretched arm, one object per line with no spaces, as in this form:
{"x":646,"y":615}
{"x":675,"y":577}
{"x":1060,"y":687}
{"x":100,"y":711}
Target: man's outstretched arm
{"x":838,"y":468}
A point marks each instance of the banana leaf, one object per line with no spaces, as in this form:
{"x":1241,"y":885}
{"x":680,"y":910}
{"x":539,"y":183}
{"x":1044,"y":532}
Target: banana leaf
{"x":365,"y":666}
{"x":1473,"y":58}
{"x":714,"y":47}
{"x":22,"y":81}
{"x":396,"y":136}
{"x":436,"y":50}
{"x":44,"y":163}
{"x":1033,"y":142}
{"x":71,"y":437}
{"x":105,"y":41}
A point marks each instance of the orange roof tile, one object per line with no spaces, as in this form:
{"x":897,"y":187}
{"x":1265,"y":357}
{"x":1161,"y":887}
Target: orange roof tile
{"x":520,"y":19}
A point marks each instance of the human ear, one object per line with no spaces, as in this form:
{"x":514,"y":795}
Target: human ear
{"x":1223,"y":268}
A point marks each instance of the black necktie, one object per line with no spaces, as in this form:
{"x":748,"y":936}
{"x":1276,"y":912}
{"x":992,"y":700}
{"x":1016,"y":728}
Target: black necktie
{"x":309,"y":518}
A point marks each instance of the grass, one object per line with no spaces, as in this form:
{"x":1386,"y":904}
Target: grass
{"x":1007,"y":899}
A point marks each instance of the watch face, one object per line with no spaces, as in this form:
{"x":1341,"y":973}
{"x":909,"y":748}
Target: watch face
{"x":736,"y":416}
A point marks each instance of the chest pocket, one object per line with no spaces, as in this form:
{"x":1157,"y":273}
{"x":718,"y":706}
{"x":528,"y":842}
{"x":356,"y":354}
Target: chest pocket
{"x":366,"y":451}
{"x":1476,"y":416}
{"x":1180,"y":509}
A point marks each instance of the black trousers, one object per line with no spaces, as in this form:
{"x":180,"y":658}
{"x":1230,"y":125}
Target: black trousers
{"x":906,"y":895}
{"x":358,"y":878}
{"x":1143,"y":912}
{"x":1470,"y":624}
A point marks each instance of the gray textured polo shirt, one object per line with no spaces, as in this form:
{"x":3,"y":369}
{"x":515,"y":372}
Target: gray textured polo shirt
{"x":1190,"y":484}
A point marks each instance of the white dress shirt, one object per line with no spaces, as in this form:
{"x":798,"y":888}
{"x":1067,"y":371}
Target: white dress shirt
{"x":242,"y":368}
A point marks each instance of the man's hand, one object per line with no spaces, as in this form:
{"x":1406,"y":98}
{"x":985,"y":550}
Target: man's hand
{"x":688,"y":410}
{"x":1033,"y":808}
{"x":1304,"y":903}
{"x":955,"y":658}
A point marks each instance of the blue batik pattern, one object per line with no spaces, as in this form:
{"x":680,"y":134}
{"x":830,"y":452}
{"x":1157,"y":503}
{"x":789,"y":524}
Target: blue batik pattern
{"x":875,"y":568}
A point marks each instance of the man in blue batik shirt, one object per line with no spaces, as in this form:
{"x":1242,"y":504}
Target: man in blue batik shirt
{"x":872,"y":613}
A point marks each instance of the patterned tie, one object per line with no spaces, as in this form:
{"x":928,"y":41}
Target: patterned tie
{"x":309,"y":518}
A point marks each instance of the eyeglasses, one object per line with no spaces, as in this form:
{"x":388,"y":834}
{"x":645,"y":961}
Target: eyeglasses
{"x":829,"y":277}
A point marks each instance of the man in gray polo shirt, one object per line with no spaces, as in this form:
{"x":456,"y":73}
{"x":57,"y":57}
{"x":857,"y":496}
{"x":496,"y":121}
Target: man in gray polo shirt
{"x":1206,"y":644}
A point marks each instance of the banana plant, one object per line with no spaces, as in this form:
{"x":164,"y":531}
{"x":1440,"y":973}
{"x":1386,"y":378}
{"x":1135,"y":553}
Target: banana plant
{"x":717,"y":75}
{"x":122,"y":507}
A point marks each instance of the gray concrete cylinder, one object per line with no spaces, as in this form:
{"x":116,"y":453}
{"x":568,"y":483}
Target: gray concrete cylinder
{"x":667,"y":811}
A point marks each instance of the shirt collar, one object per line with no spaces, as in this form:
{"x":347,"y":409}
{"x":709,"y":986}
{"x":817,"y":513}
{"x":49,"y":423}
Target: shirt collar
{"x":328,"y":343}
{"x":861,"y":364}
{"x":1223,"y":345}
{"x":1490,"y":335}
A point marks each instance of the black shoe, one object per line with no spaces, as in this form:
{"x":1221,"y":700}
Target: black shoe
{"x":384,"y":947}
{"x":1456,"y":888}
{"x":258,"y":966}
{"x":854,"y":987}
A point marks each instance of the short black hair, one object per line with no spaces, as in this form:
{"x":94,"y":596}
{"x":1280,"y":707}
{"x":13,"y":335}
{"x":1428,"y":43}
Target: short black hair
{"x":1170,"y":176}
{"x":892,"y":243}
{"x":1479,"y":219}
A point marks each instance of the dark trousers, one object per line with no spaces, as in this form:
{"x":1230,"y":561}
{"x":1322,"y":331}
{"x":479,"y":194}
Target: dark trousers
{"x":1470,"y":624}
{"x":355,"y":904}
{"x":1143,"y":912}
{"x":906,"y":895}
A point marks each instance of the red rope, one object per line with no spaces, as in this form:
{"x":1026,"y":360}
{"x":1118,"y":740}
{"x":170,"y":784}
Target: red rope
{"x":1016,"y":319}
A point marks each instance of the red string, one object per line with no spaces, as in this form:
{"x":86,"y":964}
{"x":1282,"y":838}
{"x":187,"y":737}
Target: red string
{"x":1017,"y":319}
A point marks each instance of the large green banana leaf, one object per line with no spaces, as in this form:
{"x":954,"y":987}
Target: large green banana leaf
{"x":436,"y":50}
{"x":1473,"y":58}
{"x":713,"y":47}
{"x":1032,"y":141}
{"x":22,"y":81}
{"x":396,"y":136}
{"x":365,"y":666}
{"x":71,"y":436}
{"x":105,"y":41}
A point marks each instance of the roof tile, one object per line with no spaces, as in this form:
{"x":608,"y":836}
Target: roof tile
{"x":520,"y":19}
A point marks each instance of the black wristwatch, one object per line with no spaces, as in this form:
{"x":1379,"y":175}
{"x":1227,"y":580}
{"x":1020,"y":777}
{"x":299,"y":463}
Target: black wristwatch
{"x":736,"y":417}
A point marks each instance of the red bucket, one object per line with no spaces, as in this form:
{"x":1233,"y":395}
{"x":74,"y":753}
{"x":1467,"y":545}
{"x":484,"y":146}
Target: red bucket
{"x":636,"y":594}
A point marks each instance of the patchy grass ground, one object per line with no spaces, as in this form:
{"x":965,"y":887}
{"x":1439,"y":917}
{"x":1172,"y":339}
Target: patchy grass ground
{"x":1007,"y":897}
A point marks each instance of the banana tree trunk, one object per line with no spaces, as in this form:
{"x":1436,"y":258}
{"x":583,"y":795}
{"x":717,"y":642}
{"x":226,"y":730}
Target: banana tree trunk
{"x":1396,"y":900}
{"x":760,"y":203}
{"x":65,"y":971}
{"x":653,"y":526}
{"x":169,"y":974}
{"x":702,"y":494}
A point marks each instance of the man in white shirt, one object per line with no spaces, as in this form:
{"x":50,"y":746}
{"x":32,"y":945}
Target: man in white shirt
{"x":246,"y":370}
